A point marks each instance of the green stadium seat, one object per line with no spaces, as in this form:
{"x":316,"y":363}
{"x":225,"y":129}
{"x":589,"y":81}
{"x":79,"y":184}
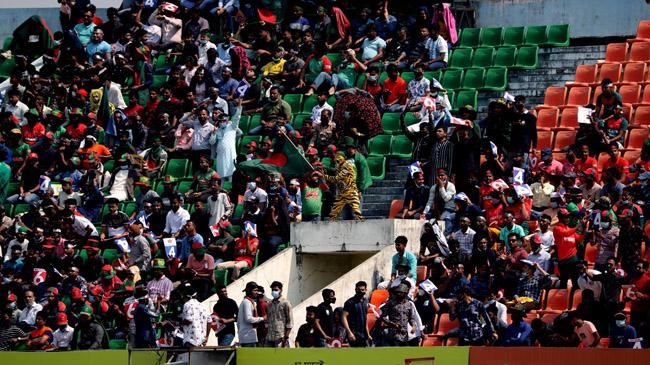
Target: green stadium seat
{"x":245,"y":123}
{"x":20,"y":209}
{"x":377,"y":165}
{"x":408,"y":76}
{"x":483,"y":57}
{"x":221,"y":277}
{"x":558,"y":35}
{"x":360,"y":80}
{"x":452,"y":78}
{"x":496,"y":79}
{"x":469,"y":37}
{"x":331,"y":101}
{"x":108,"y":165}
{"x":6,"y":68}
{"x":255,"y":120}
{"x":467,"y":97}
{"x":379,"y":145}
{"x":159,"y":80}
{"x":491,"y":36}
{"x":128,"y":208}
{"x":505,"y":56}
{"x":536,"y":35}
{"x":308,"y":103}
{"x":7,"y":42}
{"x":513,"y":36}
{"x":12,"y":189}
{"x":390,"y":122}
{"x":176,"y":167}
{"x":335,"y":58}
{"x":460,"y":58}
{"x":158,"y":187}
{"x":239,"y":211}
{"x":382,"y":77}
{"x":294,"y":100}
{"x":473,"y":78}
{"x":184,"y":186}
{"x":437,"y":74}
{"x":117,"y":344}
{"x":298,"y":119}
{"x":109,"y":255}
{"x":410,"y":119}
{"x":527,"y":57}
{"x":401,"y":146}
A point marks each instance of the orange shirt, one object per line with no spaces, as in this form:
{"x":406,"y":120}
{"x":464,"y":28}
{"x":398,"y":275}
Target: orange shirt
{"x":397,"y":90}
{"x":97,"y":150}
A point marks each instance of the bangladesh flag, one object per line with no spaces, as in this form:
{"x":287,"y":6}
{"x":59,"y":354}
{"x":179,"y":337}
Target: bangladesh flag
{"x":287,"y":159}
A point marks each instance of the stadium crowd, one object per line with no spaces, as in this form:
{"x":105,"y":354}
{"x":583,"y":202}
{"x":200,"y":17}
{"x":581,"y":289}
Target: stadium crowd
{"x":125,"y":190}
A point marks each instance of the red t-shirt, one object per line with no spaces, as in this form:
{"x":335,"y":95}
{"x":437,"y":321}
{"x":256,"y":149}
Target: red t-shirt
{"x":565,"y":241}
{"x":31,"y":134}
{"x":241,"y":254}
{"x":620,"y":164}
{"x":397,"y":90}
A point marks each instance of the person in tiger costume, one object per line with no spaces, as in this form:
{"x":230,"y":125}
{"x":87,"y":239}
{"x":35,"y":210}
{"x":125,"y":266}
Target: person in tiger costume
{"x":346,"y":184}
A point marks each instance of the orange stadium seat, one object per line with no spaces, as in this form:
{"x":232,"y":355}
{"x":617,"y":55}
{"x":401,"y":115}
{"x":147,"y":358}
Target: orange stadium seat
{"x":634,"y":73}
{"x":640,"y":51}
{"x":422,"y":273}
{"x":563,"y":139}
{"x":610,"y":71}
{"x":642,"y":115}
{"x":597,"y":91}
{"x":645,"y":99}
{"x":554,"y":96}
{"x":544,"y":139}
{"x":444,"y":324}
{"x":569,"y":118}
{"x":431,"y":341}
{"x":630,"y":93}
{"x":632,"y":155}
{"x":378,"y":297}
{"x":548,"y":318}
{"x":627,"y":112}
{"x":602,"y":158}
{"x":585,"y":76}
{"x":557,"y":300}
{"x":636,"y":137}
{"x":616,"y":52}
{"x":395,"y":207}
{"x":576,"y":299}
{"x":547,"y":118}
{"x":579,"y":96}
{"x":642,"y":32}
{"x":557,"y":156}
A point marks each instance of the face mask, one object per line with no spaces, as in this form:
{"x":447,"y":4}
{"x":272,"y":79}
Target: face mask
{"x":620,"y":323}
{"x":347,"y":115}
{"x":401,"y":277}
{"x":12,"y":306}
{"x":554,"y":204}
{"x":434,"y":94}
{"x":252,"y":186}
{"x":56,"y":43}
{"x":275,"y":294}
{"x":275,"y":59}
{"x":510,"y":200}
{"x":372,"y":78}
{"x":223,"y":125}
{"x":203,"y":41}
{"x":421,"y":293}
{"x":604,"y":225}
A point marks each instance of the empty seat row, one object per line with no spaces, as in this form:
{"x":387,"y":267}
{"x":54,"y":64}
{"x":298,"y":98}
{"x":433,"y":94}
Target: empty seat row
{"x":592,"y":75}
{"x":561,"y":97}
{"x":392,"y":146}
{"x":551,"y":35}
{"x":552,"y":118}
{"x":623,"y":52}
{"x":522,"y":57}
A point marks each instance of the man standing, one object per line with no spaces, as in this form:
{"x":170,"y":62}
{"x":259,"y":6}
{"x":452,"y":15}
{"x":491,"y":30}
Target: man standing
{"x":354,"y":317}
{"x":324,"y":323}
{"x":404,"y":257}
{"x":226,"y":311}
{"x":247,"y":317}
{"x":195,"y":319}
{"x":442,"y":153}
{"x":88,"y":334}
{"x":280,"y":318}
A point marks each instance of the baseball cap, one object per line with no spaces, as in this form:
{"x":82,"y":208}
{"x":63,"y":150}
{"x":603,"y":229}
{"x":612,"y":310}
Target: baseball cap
{"x":61,"y":319}
{"x":86,"y":310}
{"x":53,"y":291}
{"x":250,"y":286}
{"x":75,"y":293}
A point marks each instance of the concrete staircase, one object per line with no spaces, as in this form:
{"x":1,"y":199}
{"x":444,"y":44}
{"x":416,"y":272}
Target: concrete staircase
{"x":556,"y":66}
{"x":376,"y":200}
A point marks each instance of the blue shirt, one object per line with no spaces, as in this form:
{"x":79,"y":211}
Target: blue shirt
{"x":185,"y":248}
{"x":102,"y":48}
{"x":518,"y":334}
{"x":619,"y":337}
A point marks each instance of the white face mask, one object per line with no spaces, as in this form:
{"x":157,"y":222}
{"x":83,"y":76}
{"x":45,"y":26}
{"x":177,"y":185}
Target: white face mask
{"x":421,"y":293}
{"x":620,"y":323}
{"x":604,"y":225}
{"x":275,"y":294}
{"x":252,"y":186}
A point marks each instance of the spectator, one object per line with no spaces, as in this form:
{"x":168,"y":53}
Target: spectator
{"x":280,"y":318}
{"x":226,"y":311}
{"x":585,"y":330}
{"x":248,"y":318}
{"x":195,"y":319}
{"x":354,"y":317}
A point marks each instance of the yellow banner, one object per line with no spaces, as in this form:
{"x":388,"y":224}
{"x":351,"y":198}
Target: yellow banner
{"x":355,"y":356}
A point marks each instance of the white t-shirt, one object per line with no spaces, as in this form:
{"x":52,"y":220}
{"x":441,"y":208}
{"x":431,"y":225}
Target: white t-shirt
{"x":371,"y":47}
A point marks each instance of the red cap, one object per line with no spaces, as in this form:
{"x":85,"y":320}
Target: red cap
{"x":53,"y":291}
{"x":75,"y":293}
{"x":563,"y":212}
{"x":537,"y":239}
{"x":96,"y":290}
{"x":196,"y":245}
{"x":32,"y":155}
{"x":61,"y":319}
{"x":251,"y":144}
{"x":311,"y":151}
{"x":12,"y":298}
{"x":92,"y":116}
{"x":83,"y":93}
{"x":107,"y":268}
{"x":49,"y":135}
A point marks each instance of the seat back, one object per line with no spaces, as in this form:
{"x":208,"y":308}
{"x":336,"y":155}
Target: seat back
{"x":610,"y":71}
{"x":390,"y":122}
{"x":536,"y":35}
{"x":569,"y":118}
{"x":294,"y":100}
{"x":579,"y":96}
{"x":564,"y":139}
{"x":469,"y":37}
{"x":544,"y":139}
{"x":558,"y":35}
{"x":642,"y":115}
{"x":505,"y":56}
{"x":634,"y":72}
{"x":377,"y":166}
{"x":452,"y":78}
{"x":636,"y":137}
{"x":630,"y":93}
{"x":379,"y":145}
{"x":496,"y":78}
{"x":640,"y":51}
{"x":473,"y":78}
{"x":467,"y":97}
{"x":527,"y":57}
{"x":461,"y":57}
{"x":547,"y":118}
{"x":555,"y":96}
{"x":491,"y":36}
{"x":401,"y":146}
{"x":616,"y":52}
{"x":513,"y":36}
{"x":396,"y":206}
{"x":586,"y":73}
{"x":643,"y":29}
{"x":483,"y":57}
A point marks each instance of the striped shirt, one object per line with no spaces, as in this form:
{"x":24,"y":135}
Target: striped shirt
{"x":162,"y":287}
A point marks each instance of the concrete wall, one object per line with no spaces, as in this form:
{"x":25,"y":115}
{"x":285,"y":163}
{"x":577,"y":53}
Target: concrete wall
{"x":370,"y":235}
{"x":594,"y":18}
